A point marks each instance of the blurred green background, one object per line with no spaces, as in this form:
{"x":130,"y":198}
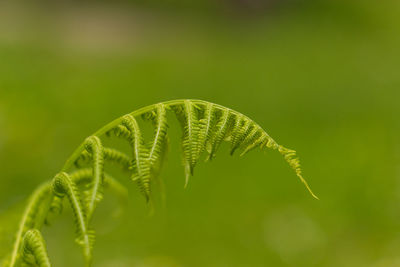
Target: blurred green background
{"x":321,"y":77}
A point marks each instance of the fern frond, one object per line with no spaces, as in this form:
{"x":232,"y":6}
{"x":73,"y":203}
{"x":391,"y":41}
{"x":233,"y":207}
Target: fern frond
{"x":159,"y":120}
{"x":245,"y":134}
{"x":258,"y":141}
{"x":140,"y":162}
{"x":28,"y":218}
{"x":221,"y":130}
{"x":34,"y":250}
{"x":294,"y":162}
{"x":252,"y":135}
{"x":240,"y":131}
{"x":64,"y":186}
{"x":95,"y":193}
{"x":188,"y":117}
{"x":206,"y":126}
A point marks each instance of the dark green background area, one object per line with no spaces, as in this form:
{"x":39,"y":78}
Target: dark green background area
{"x":321,"y":77}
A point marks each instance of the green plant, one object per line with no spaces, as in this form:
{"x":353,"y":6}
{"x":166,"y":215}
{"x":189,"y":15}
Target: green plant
{"x":82,"y":179}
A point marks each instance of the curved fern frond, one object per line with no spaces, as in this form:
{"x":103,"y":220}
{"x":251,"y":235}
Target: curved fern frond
{"x":34,"y":250}
{"x":140,"y":165}
{"x":251,"y":136}
{"x":28,"y":218}
{"x":257,"y":141}
{"x":188,"y":117}
{"x":157,"y":145}
{"x":221,"y":130}
{"x":240,"y":130}
{"x":64,"y":186}
{"x":95,"y":193}
{"x":245,"y":135}
{"x":204,"y":127}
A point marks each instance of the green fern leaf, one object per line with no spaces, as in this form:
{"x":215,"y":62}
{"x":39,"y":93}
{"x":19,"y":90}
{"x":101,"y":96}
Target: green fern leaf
{"x":140,"y":162}
{"x":258,"y":141}
{"x":237,"y":130}
{"x":64,"y":186}
{"x":28,"y":218}
{"x":34,"y":250}
{"x":188,"y":116}
{"x":221,"y":129}
{"x":240,"y":130}
{"x":250,"y":137}
{"x":206,"y":126}
{"x":95,"y":189}
{"x":157,"y":146}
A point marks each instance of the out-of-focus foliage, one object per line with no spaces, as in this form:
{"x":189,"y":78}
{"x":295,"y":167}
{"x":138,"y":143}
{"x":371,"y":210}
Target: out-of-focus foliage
{"x":322,"y":76}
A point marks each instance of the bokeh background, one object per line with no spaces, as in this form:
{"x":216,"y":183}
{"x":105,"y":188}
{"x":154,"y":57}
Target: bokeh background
{"x":320,"y":76}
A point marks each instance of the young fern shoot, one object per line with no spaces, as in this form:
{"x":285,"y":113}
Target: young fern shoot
{"x":63,"y":185}
{"x":95,"y":193}
{"x":83,"y":178}
{"x":34,"y":250}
